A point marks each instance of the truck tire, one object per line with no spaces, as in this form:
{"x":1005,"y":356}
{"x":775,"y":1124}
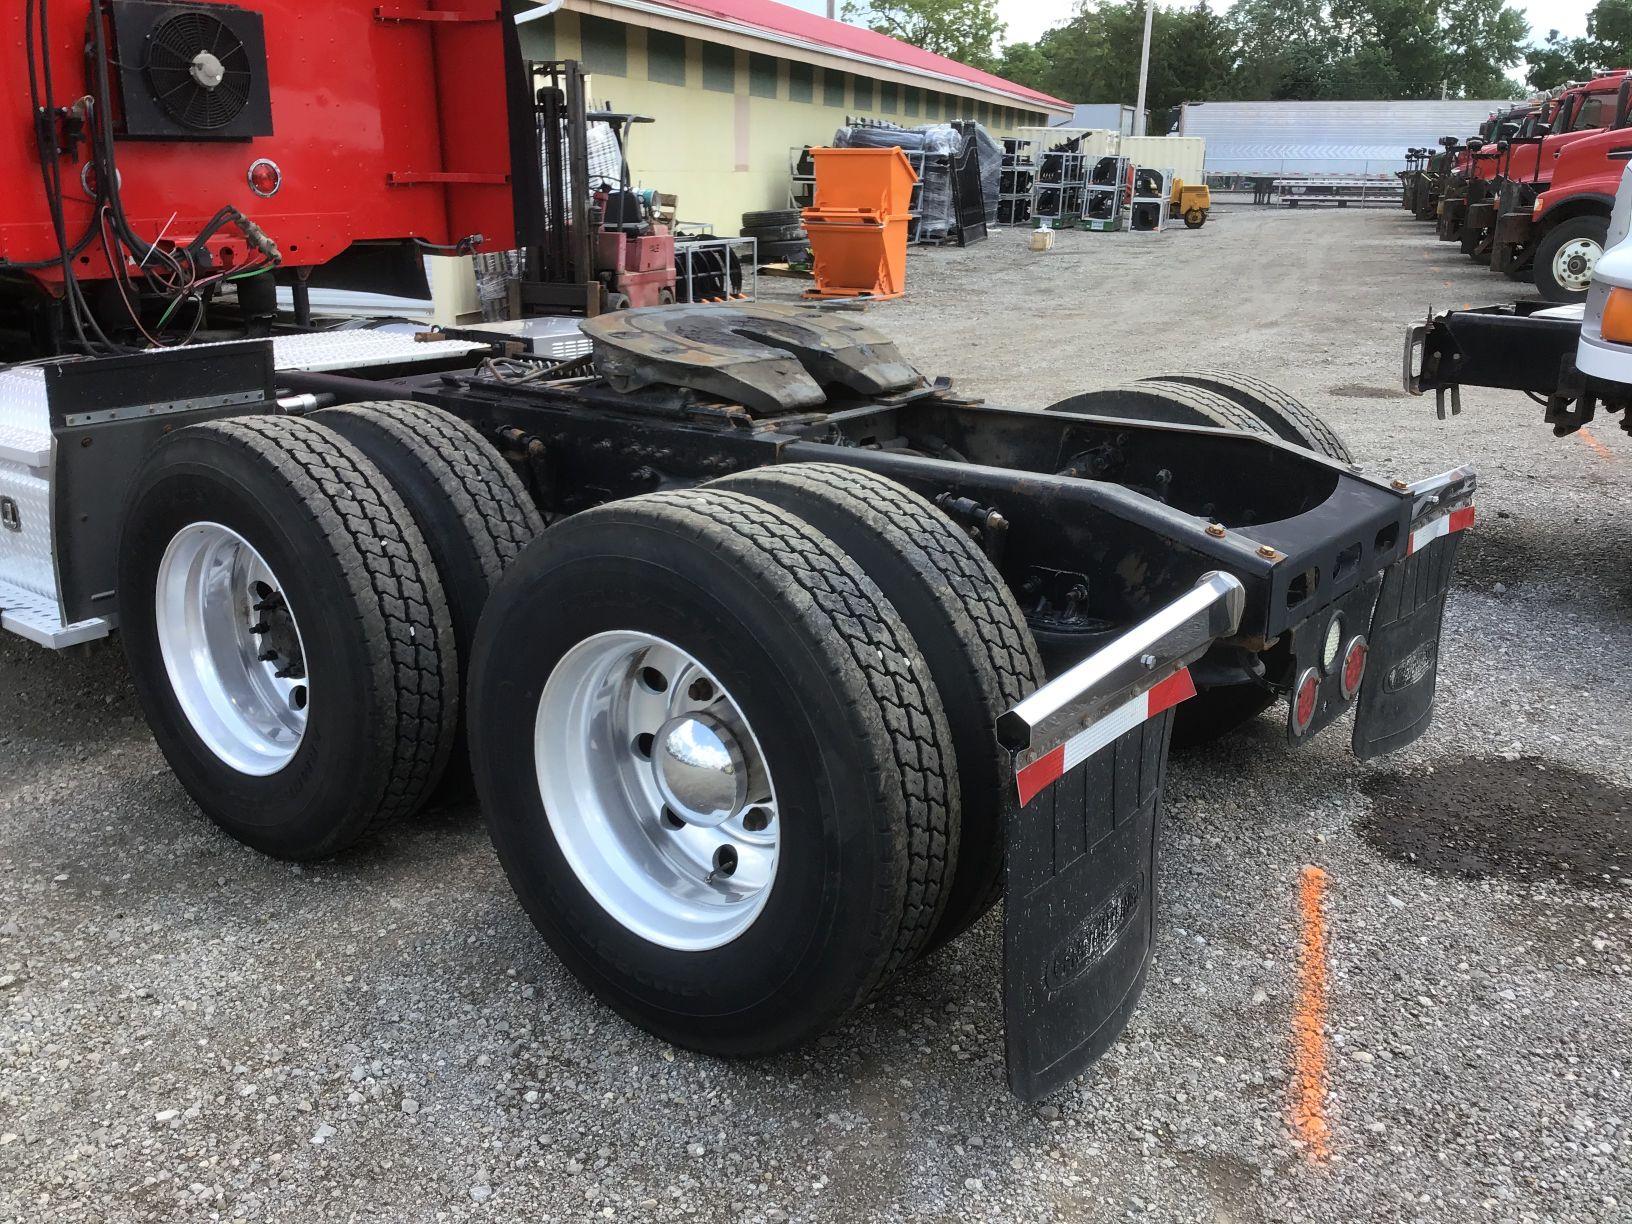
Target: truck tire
{"x":1286,"y":417}
{"x":1213,"y":712}
{"x":1566,"y":255}
{"x":258,"y":555}
{"x":1170,"y":402}
{"x":981,"y":655}
{"x":659,"y":682}
{"x":772,"y":217}
{"x":469,"y":505}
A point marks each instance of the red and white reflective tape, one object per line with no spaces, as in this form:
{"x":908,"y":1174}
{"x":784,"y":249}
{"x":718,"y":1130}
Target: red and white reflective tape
{"x":1457,"y":520}
{"x":1047,"y":770}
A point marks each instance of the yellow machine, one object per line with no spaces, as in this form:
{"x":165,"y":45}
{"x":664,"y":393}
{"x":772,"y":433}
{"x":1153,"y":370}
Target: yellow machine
{"x":1192,"y":201}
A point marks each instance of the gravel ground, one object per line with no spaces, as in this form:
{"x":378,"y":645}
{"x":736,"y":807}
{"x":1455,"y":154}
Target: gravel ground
{"x":191,"y":1032}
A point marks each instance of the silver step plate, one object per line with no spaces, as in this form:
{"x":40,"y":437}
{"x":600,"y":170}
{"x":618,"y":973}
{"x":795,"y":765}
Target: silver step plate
{"x":36,"y":618}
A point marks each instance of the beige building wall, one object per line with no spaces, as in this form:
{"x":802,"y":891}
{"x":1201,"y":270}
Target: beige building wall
{"x":727,"y":118}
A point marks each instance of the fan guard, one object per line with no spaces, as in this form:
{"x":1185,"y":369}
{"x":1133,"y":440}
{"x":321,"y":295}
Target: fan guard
{"x":198,"y":70}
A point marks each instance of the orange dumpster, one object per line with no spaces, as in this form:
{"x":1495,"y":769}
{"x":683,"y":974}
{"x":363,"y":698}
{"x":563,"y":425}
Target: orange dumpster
{"x":863,"y":180}
{"x":858,"y":227}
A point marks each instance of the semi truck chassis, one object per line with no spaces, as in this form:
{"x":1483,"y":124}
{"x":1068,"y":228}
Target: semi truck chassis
{"x":778,"y":661}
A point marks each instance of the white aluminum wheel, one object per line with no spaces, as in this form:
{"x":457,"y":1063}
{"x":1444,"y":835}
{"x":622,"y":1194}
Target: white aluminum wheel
{"x":232,"y":649}
{"x":1574,"y":262}
{"x":657,"y":791}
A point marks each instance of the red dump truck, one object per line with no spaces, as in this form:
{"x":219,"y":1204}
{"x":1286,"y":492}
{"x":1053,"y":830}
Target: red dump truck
{"x":1557,"y":256}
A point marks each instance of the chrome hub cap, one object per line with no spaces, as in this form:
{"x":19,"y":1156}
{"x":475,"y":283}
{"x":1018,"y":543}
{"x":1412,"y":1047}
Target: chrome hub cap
{"x":700,"y":770}
{"x":1573,"y":265}
{"x":232,"y":648}
{"x":656,"y":790}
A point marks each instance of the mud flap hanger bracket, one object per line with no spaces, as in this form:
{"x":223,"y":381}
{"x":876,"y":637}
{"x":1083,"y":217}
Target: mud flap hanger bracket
{"x":1150,"y":653}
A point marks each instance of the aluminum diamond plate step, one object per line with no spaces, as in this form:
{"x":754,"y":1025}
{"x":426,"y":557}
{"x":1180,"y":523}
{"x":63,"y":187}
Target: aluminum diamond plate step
{"x":36,"y":618}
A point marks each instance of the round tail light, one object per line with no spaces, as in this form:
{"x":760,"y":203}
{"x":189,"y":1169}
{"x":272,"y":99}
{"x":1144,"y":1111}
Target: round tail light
{"x":265,"y":178}
{"x":1354,"y":667}
{"x":1305,"y":700}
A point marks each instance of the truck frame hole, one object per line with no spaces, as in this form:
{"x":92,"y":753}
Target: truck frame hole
{"x":1302,"y":587}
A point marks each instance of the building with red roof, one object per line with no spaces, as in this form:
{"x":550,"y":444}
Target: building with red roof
{"x":737,"y":87}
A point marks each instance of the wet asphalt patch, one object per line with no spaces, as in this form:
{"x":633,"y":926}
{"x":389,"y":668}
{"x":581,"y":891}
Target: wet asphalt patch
{"x":1482,"y":817}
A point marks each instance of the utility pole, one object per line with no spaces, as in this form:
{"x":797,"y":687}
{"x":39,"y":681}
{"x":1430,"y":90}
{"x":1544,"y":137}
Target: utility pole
{"x":832,"y":10}
{"x":1144,"y":73}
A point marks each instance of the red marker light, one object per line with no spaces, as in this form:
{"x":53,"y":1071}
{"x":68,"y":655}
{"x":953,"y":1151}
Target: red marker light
{"x":265,"y":178}
{"x":1354,"y":667}
{"x":1305,"y":700}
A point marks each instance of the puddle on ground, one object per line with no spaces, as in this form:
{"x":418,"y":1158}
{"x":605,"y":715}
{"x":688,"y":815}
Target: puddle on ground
{"x":1525,"y":820}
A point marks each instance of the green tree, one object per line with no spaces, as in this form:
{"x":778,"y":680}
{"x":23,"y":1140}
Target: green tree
{"x":1609,"y":27}
{"x":1555,"y":60}
{"x":1483,"y":39}
{"x":1094,"y":57}
{"x":1608,"y":44}
{"x":1375,"y":48}
{"x":965,"y":30}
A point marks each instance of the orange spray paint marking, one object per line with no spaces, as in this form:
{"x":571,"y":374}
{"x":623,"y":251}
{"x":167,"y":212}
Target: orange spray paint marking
{"x":1597,"y":447}
{"x":1309,"y":1074}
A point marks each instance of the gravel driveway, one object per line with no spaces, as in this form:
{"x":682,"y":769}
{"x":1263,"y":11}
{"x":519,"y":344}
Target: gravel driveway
{"x":191,"y":1032}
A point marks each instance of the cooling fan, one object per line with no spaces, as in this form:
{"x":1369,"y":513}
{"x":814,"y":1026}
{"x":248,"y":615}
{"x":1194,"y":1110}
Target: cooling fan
{"x":199,"y":70}
{"x":191,"y":71}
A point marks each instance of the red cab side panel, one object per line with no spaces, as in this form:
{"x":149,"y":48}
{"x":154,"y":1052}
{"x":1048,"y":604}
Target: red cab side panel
{"x":390,"y":121}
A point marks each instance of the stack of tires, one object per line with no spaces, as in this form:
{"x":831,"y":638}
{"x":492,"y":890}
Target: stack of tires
{"x":781,"y":235}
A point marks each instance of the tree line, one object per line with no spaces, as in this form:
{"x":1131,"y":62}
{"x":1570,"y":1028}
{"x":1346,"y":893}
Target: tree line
{"x":1268,"y":49}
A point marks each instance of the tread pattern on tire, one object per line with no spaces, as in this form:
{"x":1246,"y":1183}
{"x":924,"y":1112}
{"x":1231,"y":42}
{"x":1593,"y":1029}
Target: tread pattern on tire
{"x":397,"y":595}
{"x":1317,"y":434}
{"x":486,"y":497}
{"x":998,"y":627}
{"x":1223,"y":412}
{"x":843,"y":599}
{"x":763,"y":218}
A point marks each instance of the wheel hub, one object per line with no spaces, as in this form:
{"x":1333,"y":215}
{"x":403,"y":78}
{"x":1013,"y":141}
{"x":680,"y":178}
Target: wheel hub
{"x":700,"y":770}
{"x":232,"y":648}
{"x":657,"y":790}
{"x":1573,"y":265}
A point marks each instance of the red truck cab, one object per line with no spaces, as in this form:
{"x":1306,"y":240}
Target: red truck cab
{"x":1580,"y":112}
{"x":1571,"y":215}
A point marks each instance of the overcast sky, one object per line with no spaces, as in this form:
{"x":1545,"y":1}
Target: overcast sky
{"x":1029,"y":18}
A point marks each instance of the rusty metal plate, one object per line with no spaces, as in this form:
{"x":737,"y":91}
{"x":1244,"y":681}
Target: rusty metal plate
{"x":770,"y":359}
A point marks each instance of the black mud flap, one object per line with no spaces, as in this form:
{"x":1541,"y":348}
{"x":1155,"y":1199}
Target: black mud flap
{"x":1397,"y":697}
{"x":1079,"y":913}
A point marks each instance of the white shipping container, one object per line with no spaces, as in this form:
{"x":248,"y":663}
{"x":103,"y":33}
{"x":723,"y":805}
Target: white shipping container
{"x":1183,"y":155}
